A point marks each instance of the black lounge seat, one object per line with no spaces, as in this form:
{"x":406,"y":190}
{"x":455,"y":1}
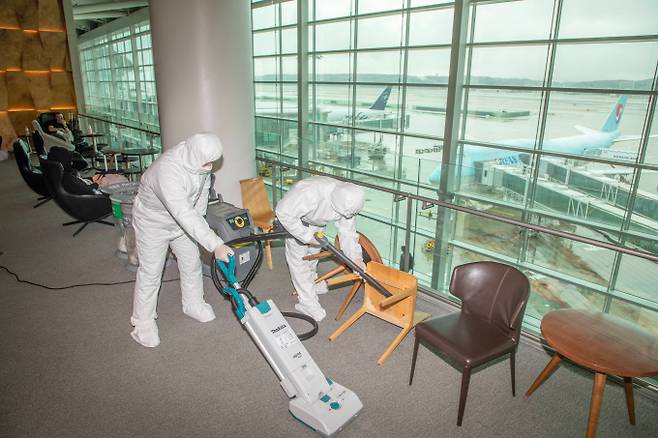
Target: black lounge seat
{"x":31,"y":174}
{"x":84,"y":208}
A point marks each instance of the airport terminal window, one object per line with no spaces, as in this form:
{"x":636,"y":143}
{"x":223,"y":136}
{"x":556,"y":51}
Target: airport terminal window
{"x":119,"y":82}
{"x":550,"y":129}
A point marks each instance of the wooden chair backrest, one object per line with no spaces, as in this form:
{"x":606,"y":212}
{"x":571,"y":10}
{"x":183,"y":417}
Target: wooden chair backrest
{"x":254,"y":199}
{"x":368,"y":248}
{"x":396,"y":282}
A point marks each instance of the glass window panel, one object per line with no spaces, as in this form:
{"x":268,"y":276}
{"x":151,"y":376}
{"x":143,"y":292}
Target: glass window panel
{"x":428,"y":66}
{"x":380,"y":32}
{"x":375,"y":153}
{"x":332,"y":36}
{"x":289,"y":68}
{"x":289,"y":106}
{"x":333,"y":67}
{"x":289,"y":138}
{"x":268,"y":134}
{"x":606,"y":65}
{"x":513,"y":21}
{"x":289,"y":40}
{"x":263,"y":17}
{"x":502,"y":116}
{"x":486,"y":234}
{"x":590,"y":124}
{"x":419,"y":159}
{"x":415,"y":3}
{"x":431,"y":27}
{"x":267,"y":99}
{"x":638,"y":277}
{"x":548,"y":294}
{"x":426,"y":109}
{"x":379,"y":66}
{"x":596,"y":18}
{"x":497,"y":174}
{"x":289,"y":12}
{"x":332,"y":147}
{"x":331,"y":103}
{"x":265,"y":43}
{"x":645,"y":318}
{"x":523,"y":65}
{"x":265,"y":69}
{"x":368,"y":6}
{"x":645,"y":206}
{"x":377,"y":118}
{"x":332,"y":8}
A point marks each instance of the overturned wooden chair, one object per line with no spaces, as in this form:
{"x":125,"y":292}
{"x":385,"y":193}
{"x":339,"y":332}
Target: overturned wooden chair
{"x":370,"y":253}
{"x":254,"y":199}
{"x":399,"y":309}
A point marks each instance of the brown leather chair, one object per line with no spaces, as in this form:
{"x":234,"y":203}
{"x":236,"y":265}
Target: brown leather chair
{"x":494,"y":297}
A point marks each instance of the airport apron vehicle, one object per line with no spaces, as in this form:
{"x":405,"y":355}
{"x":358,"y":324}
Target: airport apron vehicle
{"x":315,"y":400}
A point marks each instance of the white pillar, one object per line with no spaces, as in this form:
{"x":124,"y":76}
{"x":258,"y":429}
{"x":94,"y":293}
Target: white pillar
{"x":203,"y":71}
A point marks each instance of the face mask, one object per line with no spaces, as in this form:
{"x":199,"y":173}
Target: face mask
{"x":206,"y":169}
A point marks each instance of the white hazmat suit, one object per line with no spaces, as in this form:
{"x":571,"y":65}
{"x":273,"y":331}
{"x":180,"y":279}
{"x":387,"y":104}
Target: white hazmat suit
{"x":308,"y":207}
{"x":168,"y":212}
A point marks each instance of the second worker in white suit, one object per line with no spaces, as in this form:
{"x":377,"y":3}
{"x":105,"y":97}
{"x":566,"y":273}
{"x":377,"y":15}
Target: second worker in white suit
{"x":308,"y":207}
{"x":168,"y":212}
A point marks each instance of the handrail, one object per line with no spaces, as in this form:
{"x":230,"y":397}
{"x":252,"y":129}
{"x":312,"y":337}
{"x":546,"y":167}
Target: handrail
{"x":426,"y":200}
{"x":147,"y":131}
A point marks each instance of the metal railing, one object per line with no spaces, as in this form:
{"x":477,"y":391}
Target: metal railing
{"x":147,"y":135}
{"x":427,"y":202}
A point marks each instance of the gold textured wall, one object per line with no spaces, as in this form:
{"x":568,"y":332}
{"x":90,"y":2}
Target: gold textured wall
{"x":35,"y":69}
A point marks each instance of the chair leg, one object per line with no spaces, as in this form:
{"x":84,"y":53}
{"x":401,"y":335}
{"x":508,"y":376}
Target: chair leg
{"x":100,"y":221}
{"x":43,"y":200}
{"x":80,"y":229}
{"x":512,"y":368}
{"x":66,"y":224}
{"x":348,"y":299}
{"x":466,"y":378}
{"x":358,"y":314}
{"x":268,"y":254}
{"x":413,"y":360}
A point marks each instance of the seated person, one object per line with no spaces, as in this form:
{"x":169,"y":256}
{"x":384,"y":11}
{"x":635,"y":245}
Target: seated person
{"x":71,"y":179}
{"x":59,"y":128}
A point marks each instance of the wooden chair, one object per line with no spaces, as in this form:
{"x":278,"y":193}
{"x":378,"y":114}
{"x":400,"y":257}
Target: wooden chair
{"x":254,"y":199}
{"x":370,"y":253}
{"x":399,"y":309}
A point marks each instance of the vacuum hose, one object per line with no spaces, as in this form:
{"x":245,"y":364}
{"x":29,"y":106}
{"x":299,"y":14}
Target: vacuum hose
{"x":253,"y":301}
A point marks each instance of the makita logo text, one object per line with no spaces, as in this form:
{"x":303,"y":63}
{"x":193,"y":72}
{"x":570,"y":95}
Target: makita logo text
{"x":279,"y":328}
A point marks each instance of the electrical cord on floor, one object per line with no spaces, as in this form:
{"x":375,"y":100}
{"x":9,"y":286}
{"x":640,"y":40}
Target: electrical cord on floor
{"x":71,"y":286}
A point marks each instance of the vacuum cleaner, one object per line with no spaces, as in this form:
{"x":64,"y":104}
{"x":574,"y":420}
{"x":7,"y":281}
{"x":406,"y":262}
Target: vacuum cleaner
{"x":315,"y":399}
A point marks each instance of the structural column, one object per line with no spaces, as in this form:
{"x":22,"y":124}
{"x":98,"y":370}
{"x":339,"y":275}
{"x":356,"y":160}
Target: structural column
{"x":203,"y":72}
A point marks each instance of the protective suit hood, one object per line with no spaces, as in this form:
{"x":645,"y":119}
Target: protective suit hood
{"x":200,"y":149}
{"x":347,"y":199}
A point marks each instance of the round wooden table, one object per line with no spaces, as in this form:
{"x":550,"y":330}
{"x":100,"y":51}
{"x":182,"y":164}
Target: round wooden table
{"x":606,"y":345}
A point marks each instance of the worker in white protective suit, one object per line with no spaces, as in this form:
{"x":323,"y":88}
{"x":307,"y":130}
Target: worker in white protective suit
{"x":168,"y":212}
{"x":308,"y":207}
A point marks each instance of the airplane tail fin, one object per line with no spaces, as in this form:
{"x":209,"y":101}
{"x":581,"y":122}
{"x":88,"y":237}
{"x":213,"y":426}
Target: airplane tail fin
{"x":382,"y":100}
{"x":614,"y":118}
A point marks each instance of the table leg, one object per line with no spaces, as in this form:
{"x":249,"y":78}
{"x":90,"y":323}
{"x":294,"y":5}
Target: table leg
{"x":545,"y":374}
{"x":595,"y":407}
{"x":630,"y":403}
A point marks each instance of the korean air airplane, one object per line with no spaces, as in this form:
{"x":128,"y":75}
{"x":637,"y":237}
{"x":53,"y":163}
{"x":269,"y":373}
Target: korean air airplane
{"x":376,"y":111}
{"x":589,"y":140}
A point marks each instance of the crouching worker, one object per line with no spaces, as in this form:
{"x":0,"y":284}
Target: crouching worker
{"x":168,"y":212}
{"x":308,"y":207}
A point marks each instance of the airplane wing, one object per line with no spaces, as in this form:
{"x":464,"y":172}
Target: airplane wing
{"x":585,"y":130}
{"x":631,"y":138}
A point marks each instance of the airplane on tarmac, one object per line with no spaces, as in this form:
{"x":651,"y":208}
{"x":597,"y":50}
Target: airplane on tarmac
{"x":589,"y":140}
{"x":376,"y":111}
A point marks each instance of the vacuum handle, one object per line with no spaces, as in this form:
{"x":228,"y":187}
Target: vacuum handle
{"x":322,"y":239}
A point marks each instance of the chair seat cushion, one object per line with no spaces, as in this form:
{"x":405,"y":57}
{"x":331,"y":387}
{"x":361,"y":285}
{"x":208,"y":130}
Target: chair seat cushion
{"x":467,"y":339}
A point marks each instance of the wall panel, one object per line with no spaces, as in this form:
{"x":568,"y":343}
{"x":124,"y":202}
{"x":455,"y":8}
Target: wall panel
{"x":35,"y":69}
